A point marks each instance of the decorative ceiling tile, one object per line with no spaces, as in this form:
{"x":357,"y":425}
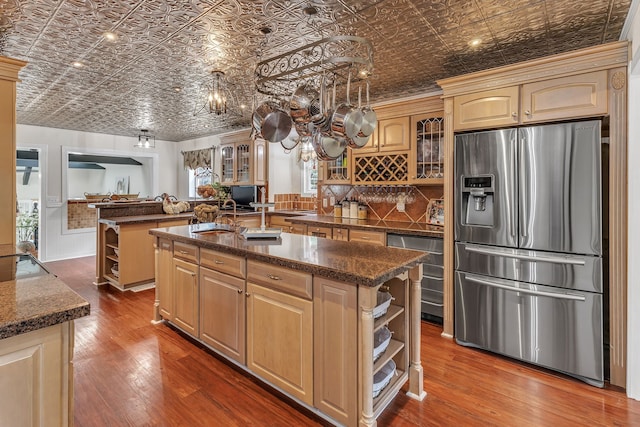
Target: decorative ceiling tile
{"x":153,"y":73}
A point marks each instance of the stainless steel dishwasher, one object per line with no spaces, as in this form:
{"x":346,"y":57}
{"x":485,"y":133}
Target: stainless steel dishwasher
{"x":432,"y":271}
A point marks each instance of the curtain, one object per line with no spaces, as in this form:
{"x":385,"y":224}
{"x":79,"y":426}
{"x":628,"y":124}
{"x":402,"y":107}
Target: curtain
{"x":197,"y":158}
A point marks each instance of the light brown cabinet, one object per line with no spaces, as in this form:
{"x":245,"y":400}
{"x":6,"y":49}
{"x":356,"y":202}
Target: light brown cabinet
{"x":280,"y":328}
{"x":581,"y":95}
{"x":365,"y":236}
{"x":340,"y":233}
{"x":298,"y":229}
{"x":390,"y":135}
{"x":243,"y":161}
{"x":336,"y":171}
{"x":314,"y":230}
{"x":335,"y":324}
{"x":164,"y":278}
{"x":186,"y":294}
{"x":426,"y":161}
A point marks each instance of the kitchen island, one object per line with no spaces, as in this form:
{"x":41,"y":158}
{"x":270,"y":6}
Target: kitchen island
{"x":37,"y":313}
{"x":302,"y":313}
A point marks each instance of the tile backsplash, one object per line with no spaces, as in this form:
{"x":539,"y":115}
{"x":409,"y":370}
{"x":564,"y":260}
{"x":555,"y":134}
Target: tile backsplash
{"x":381,"y":201}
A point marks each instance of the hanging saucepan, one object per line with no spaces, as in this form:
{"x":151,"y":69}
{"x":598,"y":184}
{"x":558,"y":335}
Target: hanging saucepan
{"x":360,"y":140}
{"x":291,"y":141}
{"x":304,"y":104}
{"x":346,"y":119}
{"x":369,"y":118}
{"x":275,"y":123}
{"x":321,"y":120}
{"x":327,"y":147}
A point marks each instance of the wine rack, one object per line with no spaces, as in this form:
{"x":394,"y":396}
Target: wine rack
{"x":388,"y":168}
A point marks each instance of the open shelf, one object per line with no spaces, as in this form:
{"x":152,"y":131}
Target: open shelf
{"x":393,"y":312}
{"x":393,"y":349}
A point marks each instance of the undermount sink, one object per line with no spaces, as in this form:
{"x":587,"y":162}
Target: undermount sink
{"x":210,"y":228}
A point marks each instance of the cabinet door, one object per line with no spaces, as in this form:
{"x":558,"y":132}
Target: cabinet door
{"x":393,"y":134}
{"x":280,"y":340}
{"x":243,"y":163}
{"x":335,"y":330}
{"x":260,"y":162}
{"x":340,"y":233}
{"x":426,"y":161}
{"x":583,"y":95}
{"x":136,"y":253}
{"x":164,"y":279}
{"x":314,"y":230}
{"x":489,"y":108}
{"x":227,"y":152}
{"x":338,"y":171}
{"x":222,"y":313}
{"x":185,"y":282}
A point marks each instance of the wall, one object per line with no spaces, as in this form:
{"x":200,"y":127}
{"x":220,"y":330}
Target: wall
{"x":56,"y":242}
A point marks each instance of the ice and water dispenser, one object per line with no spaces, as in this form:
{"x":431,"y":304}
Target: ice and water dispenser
{"x":477,"y":200}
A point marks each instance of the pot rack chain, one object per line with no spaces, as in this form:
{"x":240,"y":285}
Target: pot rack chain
{"x":334,"y":57}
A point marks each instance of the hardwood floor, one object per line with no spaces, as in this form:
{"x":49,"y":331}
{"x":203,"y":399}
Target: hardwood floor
{"x":130,"y":372}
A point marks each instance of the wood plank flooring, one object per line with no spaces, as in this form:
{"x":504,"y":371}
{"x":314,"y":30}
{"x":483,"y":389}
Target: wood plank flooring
{"x":130,"y":372}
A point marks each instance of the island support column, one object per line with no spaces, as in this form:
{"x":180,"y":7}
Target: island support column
{"x":416,"y":375}
{"x":368,"y":301}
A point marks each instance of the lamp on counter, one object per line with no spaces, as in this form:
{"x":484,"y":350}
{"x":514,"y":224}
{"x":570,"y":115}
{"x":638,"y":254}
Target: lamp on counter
{"x":145,"y":140}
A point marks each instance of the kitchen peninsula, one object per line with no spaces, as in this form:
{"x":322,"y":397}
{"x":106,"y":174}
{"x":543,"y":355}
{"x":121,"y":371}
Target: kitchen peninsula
{"x":302,"y":313}
{"x":37,"y":313}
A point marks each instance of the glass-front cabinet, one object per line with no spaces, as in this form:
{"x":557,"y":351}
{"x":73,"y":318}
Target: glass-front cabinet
{"x":426,"y":161}
{"x":338,"y":171}
{"x":242,"y":161}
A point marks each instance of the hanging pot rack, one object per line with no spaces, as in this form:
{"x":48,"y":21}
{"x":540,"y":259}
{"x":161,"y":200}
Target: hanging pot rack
{"x":333,"y":57}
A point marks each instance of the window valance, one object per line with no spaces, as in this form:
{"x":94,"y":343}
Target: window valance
{"x":197,"y":158}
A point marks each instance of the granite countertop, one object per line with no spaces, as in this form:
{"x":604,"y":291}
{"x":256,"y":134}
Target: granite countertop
{"x":357,"y":263}
{"x":401,"y":227}
{"x":137,"y":219}
{"x":31,"y":303}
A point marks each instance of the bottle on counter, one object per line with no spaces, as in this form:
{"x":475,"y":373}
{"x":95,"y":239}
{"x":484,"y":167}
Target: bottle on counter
{"x":353,"y":209}
{"x":337,"y":210}
{"x":362,"y":211}
{"x":345,"y":209}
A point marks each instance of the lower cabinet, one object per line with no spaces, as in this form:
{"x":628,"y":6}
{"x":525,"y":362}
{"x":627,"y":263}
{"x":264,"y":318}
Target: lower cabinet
{"x":164,"y":279}
{"x":185,"y":282}
{"x":222,"y":313}
{"x":280,"y":340}
{"x":375,"y":237}
{"x":36,"y":372}
{"x":335,"y":331}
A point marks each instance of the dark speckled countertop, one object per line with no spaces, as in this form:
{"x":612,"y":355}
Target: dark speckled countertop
{"x":357,"y":263}
{"x":415,"y":228}
{"x":31,"y":303}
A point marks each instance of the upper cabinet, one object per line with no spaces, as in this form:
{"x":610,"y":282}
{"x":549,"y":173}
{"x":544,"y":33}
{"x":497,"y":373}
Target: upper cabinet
{"x":390,"y":135}
{"x":426,"y":161}
{"x":581,"y":95}
{"x":337,"y":171}
{"x":243,"y":161}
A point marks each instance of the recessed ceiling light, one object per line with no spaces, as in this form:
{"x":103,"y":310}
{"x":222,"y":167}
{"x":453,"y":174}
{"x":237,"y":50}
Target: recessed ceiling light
{"x":475,"y":42}
{"x":177,"y":88}
{"x":242,"y":106}
{"x":110,"y":36}
{"x":78,"y":64}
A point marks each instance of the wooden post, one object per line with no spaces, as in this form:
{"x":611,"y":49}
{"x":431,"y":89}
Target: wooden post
{"x":416,"y":375}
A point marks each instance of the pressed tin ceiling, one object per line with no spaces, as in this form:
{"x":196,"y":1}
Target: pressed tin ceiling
{"x":164,"y":50}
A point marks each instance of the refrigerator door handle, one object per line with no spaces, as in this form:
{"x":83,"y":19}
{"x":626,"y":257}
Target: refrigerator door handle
{"x":525,"y":171}
{"x":536,"y":258}
{"x":526,"y":291}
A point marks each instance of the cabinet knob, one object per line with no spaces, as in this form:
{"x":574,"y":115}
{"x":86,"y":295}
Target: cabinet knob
{"x":272,"y":277}
{"x":240,"y":291}
{"x":218,"y":262}
{"x":514,"y":114}
{"x":527,"y":112}
{"x":248,"y":294}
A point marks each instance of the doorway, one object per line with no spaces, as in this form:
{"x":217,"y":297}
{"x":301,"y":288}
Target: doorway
{"x":28,"y":205}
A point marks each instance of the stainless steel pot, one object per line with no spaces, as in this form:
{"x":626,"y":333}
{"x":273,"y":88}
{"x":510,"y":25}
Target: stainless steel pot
{"x":346,"y":119}
{"x":327,"y":147}
{"x":369,"y":118}
{"x":275,"y":123}
{"x":304,"y":104}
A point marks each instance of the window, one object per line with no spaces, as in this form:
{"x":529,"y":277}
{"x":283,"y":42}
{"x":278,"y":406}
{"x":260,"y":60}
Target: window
{"x":310,"y":177}
{"x":198,"y":176}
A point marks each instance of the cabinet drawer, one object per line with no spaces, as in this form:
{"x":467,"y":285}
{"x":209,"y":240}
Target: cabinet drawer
{"x":298,"y":229}
{"x":279,"y":278}
{"x":367,"y":236}
{"x":224,"y":263}
{"x":185,"y":252}
{"x":325,"y":232}
{"x":340,"y":234}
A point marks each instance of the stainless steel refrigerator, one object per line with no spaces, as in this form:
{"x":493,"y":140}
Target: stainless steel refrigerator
{"x":528,"y":230}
